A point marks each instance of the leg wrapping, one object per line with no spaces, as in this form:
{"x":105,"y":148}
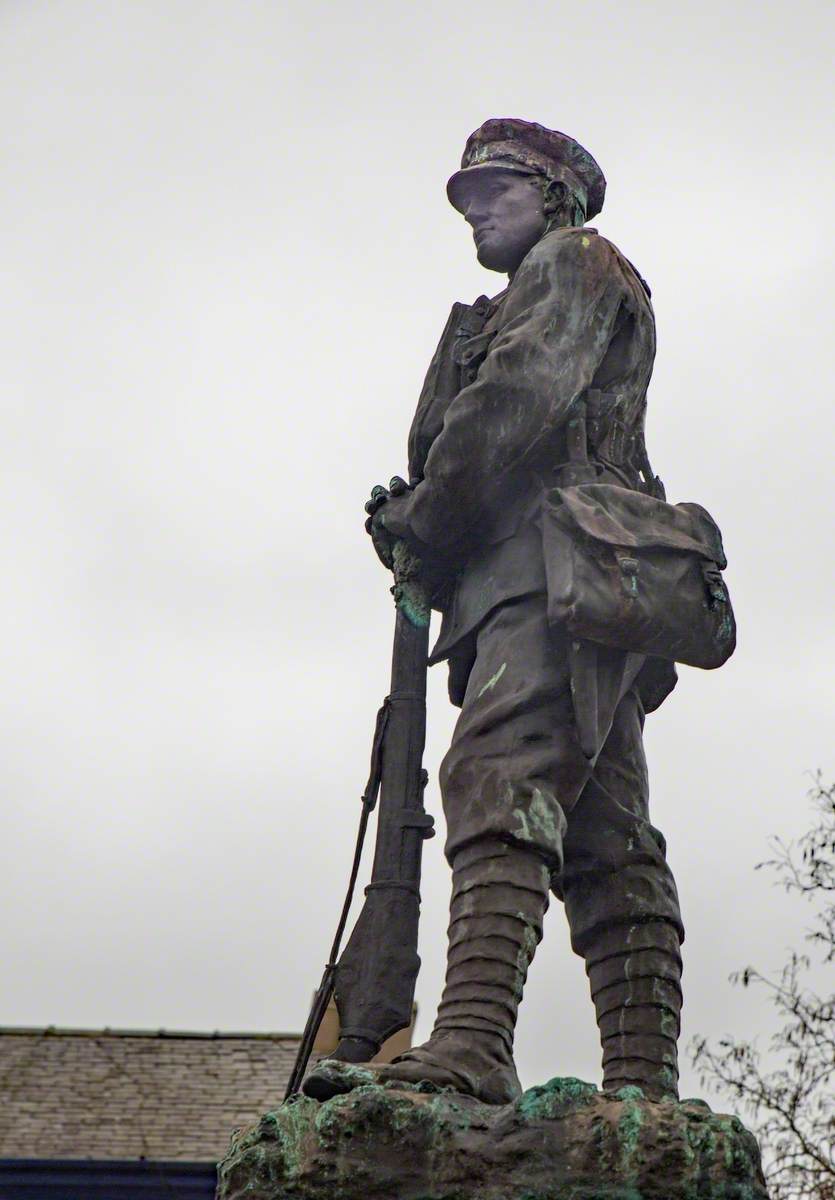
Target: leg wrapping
{"x":637,"y":998}
{"x":499,"y":900}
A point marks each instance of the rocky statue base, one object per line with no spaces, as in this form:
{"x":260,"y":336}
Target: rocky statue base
{"x":563,"y":1140}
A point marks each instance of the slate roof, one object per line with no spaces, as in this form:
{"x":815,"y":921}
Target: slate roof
{"x":129,"y":1094}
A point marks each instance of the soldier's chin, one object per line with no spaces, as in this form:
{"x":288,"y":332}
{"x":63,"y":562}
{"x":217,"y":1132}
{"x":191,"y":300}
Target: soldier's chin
{"x":494,"y":258}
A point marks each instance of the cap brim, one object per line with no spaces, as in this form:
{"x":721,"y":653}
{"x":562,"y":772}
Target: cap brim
{"x":463,"y":181}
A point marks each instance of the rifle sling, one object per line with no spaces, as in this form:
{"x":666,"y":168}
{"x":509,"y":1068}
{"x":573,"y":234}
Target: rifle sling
{"x":325,"y":989}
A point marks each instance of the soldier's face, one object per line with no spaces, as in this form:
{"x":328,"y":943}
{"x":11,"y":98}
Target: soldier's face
{"x":505,"y":210}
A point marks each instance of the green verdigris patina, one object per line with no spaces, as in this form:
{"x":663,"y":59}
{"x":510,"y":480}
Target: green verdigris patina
{"x":409,"y":591}
{"x":563,"y":1140}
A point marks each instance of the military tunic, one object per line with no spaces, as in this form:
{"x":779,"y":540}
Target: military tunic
{"x":487,"y":446}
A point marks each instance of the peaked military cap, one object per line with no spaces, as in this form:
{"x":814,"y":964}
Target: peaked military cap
{"x":512,"y":144}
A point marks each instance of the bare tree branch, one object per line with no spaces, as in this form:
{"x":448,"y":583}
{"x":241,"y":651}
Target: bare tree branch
{"x":792,"y":1104}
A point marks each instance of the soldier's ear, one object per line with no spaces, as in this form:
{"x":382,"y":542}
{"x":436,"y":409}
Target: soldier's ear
{"x":556,"y":197}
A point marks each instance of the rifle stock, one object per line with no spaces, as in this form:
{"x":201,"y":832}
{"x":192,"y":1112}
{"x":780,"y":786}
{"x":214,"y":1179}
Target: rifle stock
{"x":374,"y":977}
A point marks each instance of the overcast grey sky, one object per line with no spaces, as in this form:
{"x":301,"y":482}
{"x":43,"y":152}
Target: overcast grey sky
{"x":226,"y":259}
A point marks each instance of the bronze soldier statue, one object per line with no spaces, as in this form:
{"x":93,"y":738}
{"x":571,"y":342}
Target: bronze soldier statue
{"x":526,"y":446}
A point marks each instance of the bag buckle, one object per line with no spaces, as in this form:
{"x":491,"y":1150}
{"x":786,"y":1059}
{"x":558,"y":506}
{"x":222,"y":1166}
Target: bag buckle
{"x":714,"y":583}
{"x":629,"y":568}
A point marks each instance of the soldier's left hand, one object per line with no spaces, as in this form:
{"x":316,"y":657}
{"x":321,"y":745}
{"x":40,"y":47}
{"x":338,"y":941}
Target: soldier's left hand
{"x":388,"y":517}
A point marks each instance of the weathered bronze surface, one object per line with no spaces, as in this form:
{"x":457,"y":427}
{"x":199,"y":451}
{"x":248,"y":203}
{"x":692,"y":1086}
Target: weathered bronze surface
{"x":569,"y":587}
{"x":563,"y":1140}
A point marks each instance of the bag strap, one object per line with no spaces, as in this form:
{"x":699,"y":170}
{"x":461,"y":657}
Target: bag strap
{"x":578,"y":469}
{"x":652,"y":482}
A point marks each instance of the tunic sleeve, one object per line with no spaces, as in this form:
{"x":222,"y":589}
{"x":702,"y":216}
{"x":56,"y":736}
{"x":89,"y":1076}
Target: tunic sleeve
{"x":557,"y":322}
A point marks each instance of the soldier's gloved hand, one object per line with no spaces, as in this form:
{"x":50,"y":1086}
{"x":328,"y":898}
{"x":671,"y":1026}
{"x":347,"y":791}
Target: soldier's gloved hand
{"x":388,"y":517}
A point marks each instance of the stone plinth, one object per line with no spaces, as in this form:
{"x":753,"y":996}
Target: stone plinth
{"x":560,"y":1141}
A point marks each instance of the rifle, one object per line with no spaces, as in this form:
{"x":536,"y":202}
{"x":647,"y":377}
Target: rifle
{"x":374,"y":979}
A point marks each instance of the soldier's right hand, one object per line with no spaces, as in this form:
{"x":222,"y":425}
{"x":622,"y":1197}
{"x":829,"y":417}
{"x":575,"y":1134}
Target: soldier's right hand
{"x":382,"y":540}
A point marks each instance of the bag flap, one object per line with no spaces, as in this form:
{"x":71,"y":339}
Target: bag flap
{"x":621,"y":517}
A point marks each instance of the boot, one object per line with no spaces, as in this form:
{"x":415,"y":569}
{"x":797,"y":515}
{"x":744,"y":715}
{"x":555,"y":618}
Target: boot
{"x":499,"y":899}
{"x":637,"y":998}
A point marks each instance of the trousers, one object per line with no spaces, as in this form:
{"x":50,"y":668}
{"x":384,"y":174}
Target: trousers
{"x":515,"y":771}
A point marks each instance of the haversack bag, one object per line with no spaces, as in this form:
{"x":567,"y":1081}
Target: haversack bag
{"x":629,"y":570}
